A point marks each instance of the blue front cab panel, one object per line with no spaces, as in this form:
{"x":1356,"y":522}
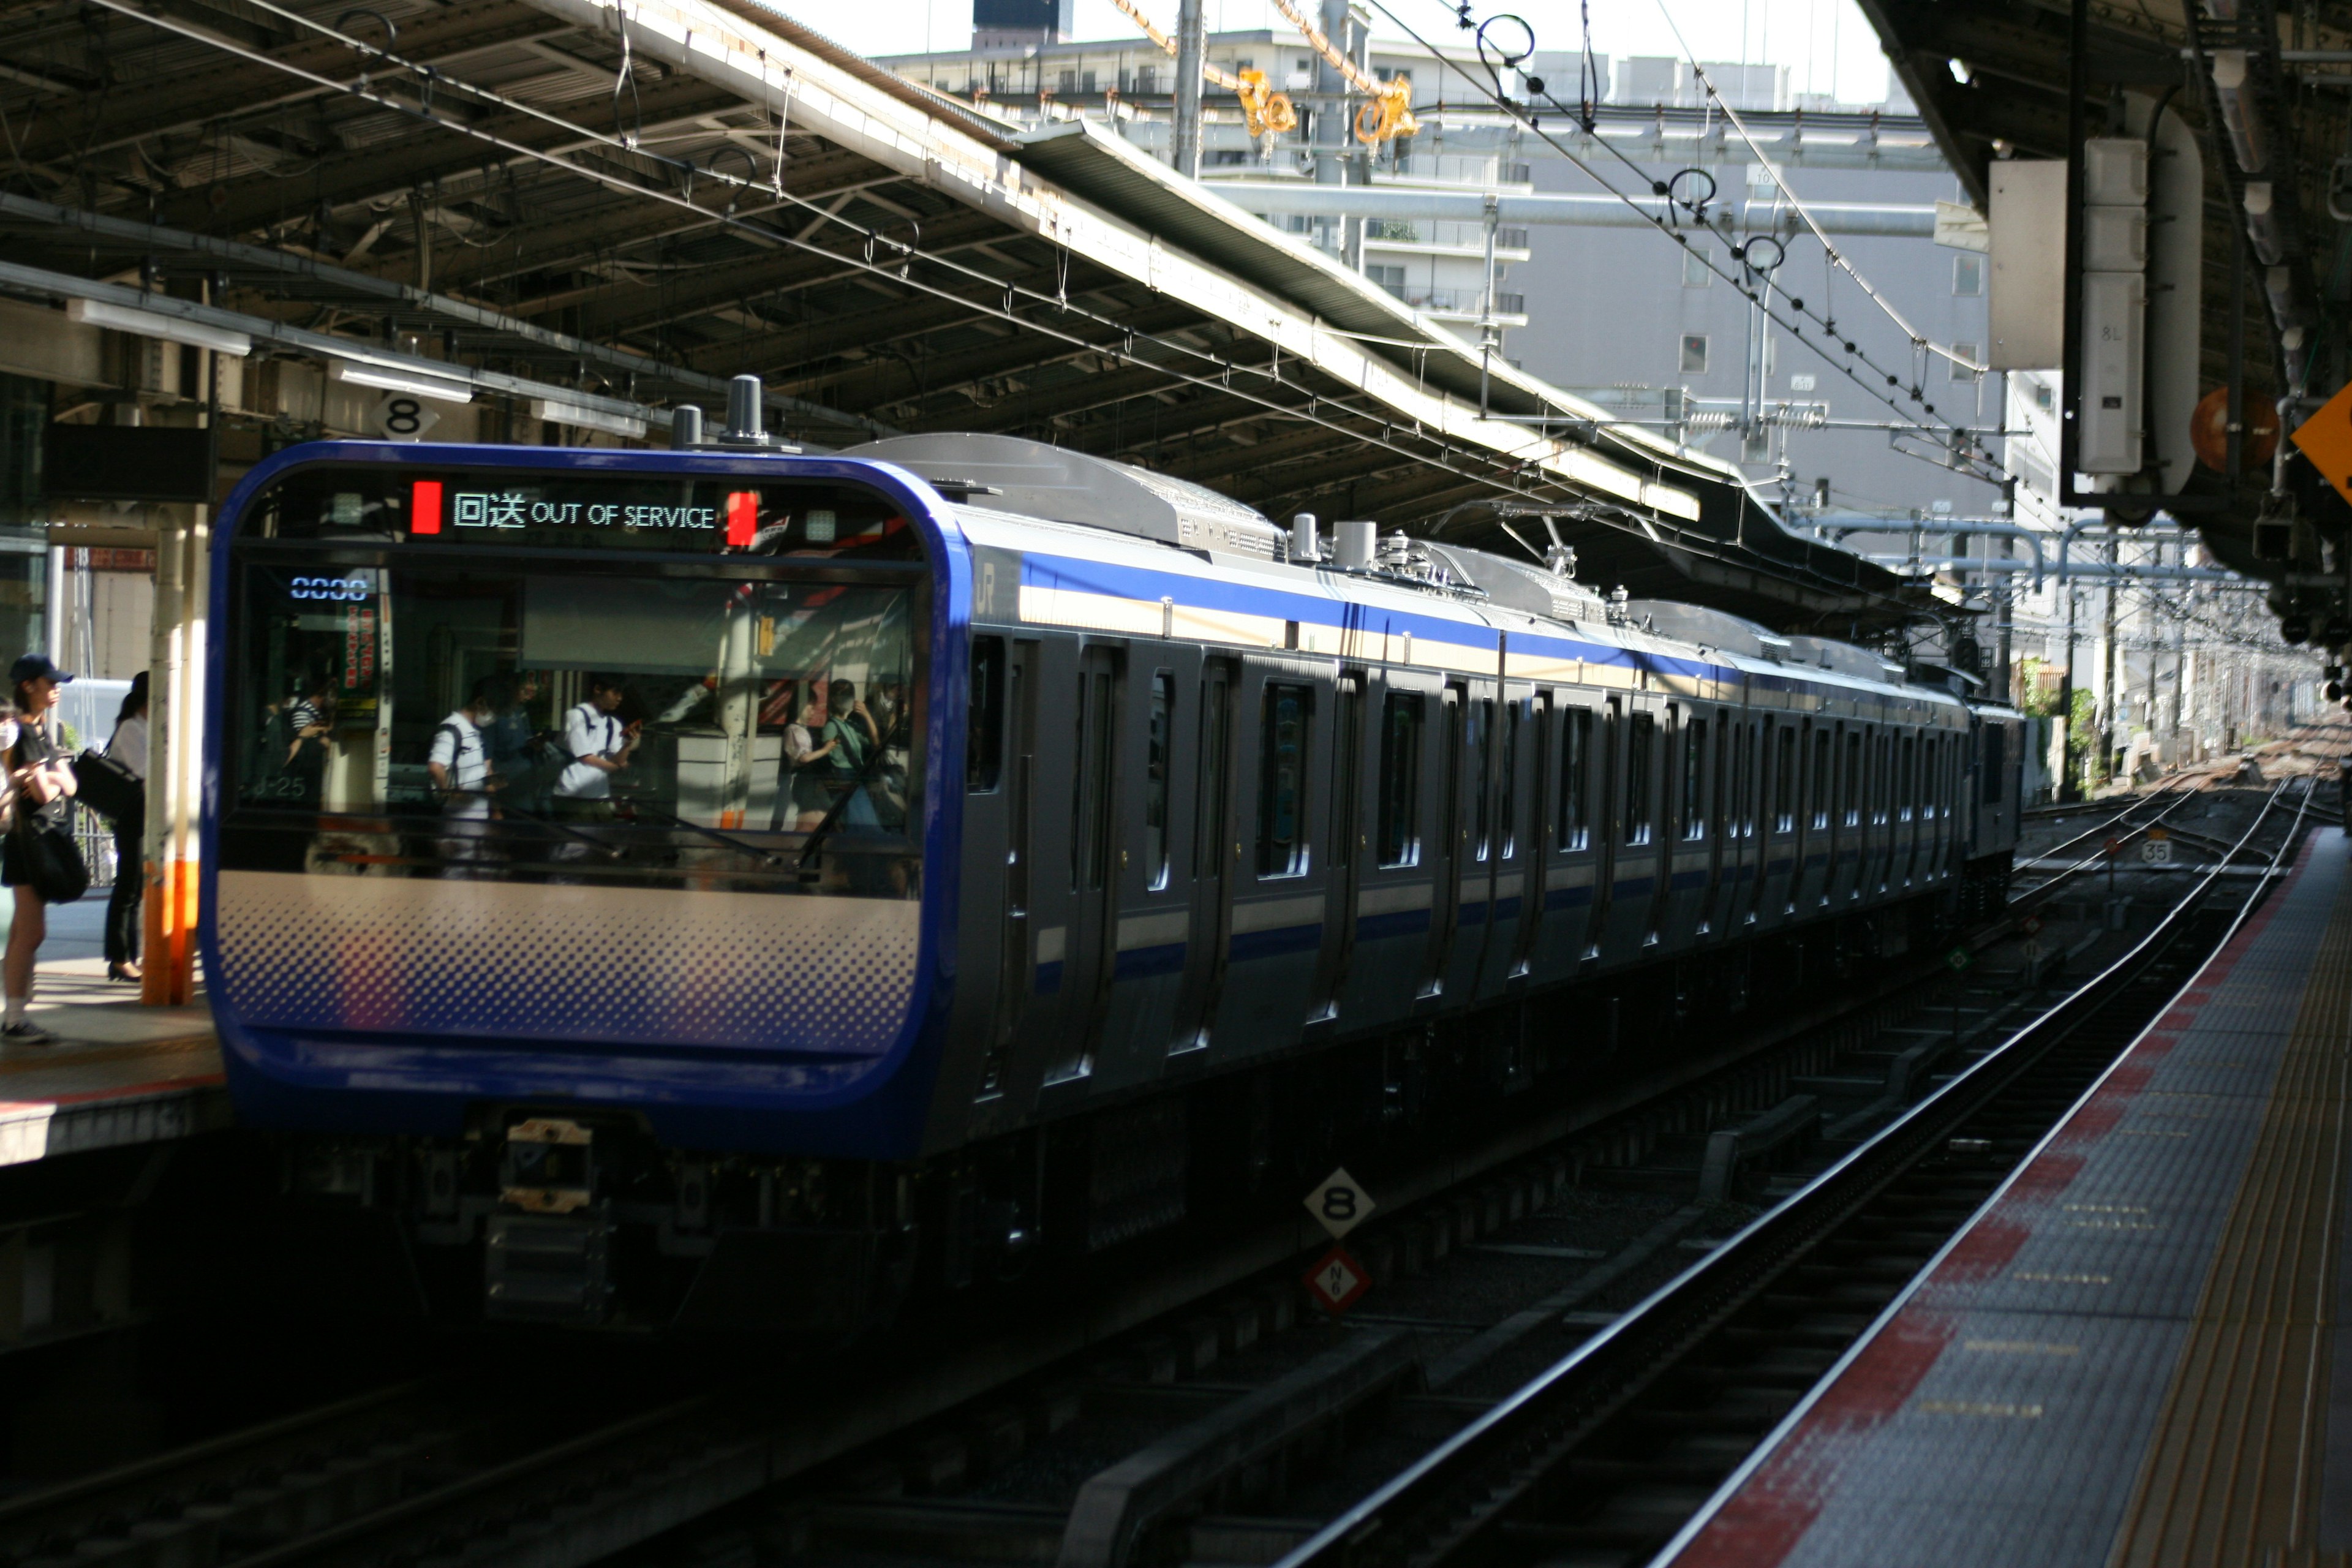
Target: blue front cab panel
{"x":752,"y":1022}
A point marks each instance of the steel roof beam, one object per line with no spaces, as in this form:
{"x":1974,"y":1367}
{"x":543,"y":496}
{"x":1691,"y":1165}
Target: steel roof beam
{"x":877,"y":383}
{"x":240,"y":90}
{"x":431,"y":151}
{"x":615,"y":308}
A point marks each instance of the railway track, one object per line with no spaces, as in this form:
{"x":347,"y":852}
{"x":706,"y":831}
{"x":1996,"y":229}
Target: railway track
{"x":487,"y":1475}
{"x":1603,"y":1458}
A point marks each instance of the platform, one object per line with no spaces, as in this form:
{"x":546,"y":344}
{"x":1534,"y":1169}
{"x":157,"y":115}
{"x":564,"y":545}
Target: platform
{"x":119,"y":1073}
{"x":2140,"y":1353}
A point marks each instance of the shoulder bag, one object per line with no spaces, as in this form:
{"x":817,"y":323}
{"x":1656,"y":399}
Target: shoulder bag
{"x":109,"y":788}
{"x":52,"y":862}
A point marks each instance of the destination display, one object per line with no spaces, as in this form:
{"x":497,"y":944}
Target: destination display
{"x":365,"y":503}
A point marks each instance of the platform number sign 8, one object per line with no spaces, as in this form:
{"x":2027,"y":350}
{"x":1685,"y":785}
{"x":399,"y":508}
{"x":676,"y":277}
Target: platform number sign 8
{"x":1338,"y":1203}
{"x":402,"y":417}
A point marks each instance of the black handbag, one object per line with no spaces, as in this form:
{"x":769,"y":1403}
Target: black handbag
{"x":50,"y":860}
{"x":109,"y":789}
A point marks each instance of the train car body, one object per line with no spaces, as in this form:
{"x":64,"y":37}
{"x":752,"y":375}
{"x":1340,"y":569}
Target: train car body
{"x":989,"y":822}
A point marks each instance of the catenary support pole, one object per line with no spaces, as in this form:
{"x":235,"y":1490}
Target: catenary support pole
{"x":1191,"y":53}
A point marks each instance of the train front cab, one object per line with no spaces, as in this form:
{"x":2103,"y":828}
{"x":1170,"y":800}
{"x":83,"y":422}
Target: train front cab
{"x":552,"y":1014}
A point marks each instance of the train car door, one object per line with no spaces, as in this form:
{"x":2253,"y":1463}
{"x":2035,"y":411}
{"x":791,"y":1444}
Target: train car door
{"x":1476,"y":841}
{"x":1693,"y":743}
{"x":1909,"y":825}
{"x":1609,"y":827}
{"x":1573,"y":845}
{"x":1345,"y":841}
{"x":1278,"y":906}
{"x":1088,"y":943}
{"x":1639,"y":861}
{"x":1727,"y":797}
{"x":1215,"y":847}
{"x":1846,"y":825}
{"x":1449,"y":836}
{"x":1509,"y":848}
{"x":1539,"y":754}
{"x":1816,"y":741}
{"x":1776,"y":829}
{"x":999,"y":768}
{"x":1153,"y":924}
{"x":1389,"y":967}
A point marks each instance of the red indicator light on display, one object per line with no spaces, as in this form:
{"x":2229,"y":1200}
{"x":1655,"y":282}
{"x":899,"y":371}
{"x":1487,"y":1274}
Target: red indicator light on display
{"x":743,"y":518}
{"x":425,"y":507}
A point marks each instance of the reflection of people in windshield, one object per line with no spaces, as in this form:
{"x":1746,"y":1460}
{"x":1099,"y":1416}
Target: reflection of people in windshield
{"x":310,"y":721}
{"x":850,"y":737}
{"x":459,"y":766}
{"x":601,"y":746}
{"x":805,"y":797}
{"x":508,"y":736}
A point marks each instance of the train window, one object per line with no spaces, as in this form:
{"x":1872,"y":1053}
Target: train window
{"x":1507,"y":808}
{"x":1910,"y":763}
{"x":1401,"y":717}
{"x":1996,"y":761}
{"x":1576,"y":780}
{"x":1209,"y":798}
{"x":1852,"y":795}
{"x":1639,"y":738}
{"x":984,"y":737}
{"x":1155,"y":779}
{"x":1282,"y":780}
{"x":1478,"y":736}
{"x":1694,"y":812}
{"x":341,"y":704}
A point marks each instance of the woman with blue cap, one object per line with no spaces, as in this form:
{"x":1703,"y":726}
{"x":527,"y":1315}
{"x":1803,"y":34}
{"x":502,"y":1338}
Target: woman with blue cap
{"x":45,"y":788}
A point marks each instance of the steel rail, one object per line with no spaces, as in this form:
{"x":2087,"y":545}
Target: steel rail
{"x":1434,"y":1511}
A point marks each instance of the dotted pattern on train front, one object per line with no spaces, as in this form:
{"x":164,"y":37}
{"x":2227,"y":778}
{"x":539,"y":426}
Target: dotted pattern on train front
{"x":650,"y":966}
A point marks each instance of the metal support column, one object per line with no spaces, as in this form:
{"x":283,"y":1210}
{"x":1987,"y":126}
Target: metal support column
{"x":1192,"y":52}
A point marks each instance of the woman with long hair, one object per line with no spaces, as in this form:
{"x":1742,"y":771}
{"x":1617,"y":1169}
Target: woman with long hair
{"x":44,"y":790}
{"x":124,"y":906}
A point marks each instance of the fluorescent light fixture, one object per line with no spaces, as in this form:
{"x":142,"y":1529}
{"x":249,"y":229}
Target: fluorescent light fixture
{"x":585,"y":418}
{"x":398,"y":380}
{"x":155,"y":324}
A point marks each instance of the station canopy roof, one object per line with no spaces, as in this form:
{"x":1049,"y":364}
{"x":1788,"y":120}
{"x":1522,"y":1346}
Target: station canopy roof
{"x":609,"y":209}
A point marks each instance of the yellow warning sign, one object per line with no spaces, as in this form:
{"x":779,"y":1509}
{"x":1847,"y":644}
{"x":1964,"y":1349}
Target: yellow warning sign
{"x":2327,"y":440}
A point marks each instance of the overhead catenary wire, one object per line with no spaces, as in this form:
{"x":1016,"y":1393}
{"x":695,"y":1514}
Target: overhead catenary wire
{"x":1731,"y":117}
{"x":1989,"y":471}
{"x":1834,"y":260}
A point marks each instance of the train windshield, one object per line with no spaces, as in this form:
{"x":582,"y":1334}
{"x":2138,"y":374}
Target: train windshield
{"x":596,"y":680}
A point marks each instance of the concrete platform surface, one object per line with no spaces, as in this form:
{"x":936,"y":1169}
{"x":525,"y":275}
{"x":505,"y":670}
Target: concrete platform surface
{"x":2138,"y":1353}
{"x":119,"y":1073}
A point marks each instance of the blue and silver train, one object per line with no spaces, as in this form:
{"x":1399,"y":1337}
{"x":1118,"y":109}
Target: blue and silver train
{"x":719,"y":888}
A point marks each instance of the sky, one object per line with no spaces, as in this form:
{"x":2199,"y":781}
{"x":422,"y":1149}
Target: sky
{"x":1827,"y":43}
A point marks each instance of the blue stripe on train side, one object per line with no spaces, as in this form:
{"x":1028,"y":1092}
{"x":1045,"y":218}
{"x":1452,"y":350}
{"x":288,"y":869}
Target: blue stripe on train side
{"x":1049,"y":978}
{"x":1568,"y":898}
{"x":1141,"y":962}
{"x":1276,"y":943}
{"x":1397,"y":923}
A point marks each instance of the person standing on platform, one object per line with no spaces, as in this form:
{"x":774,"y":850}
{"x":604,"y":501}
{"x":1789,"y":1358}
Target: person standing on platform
{"x":45,"y":785}
{"x":124,"y":906}
{"x":600,"y":746}
{"x":459,"y":763}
